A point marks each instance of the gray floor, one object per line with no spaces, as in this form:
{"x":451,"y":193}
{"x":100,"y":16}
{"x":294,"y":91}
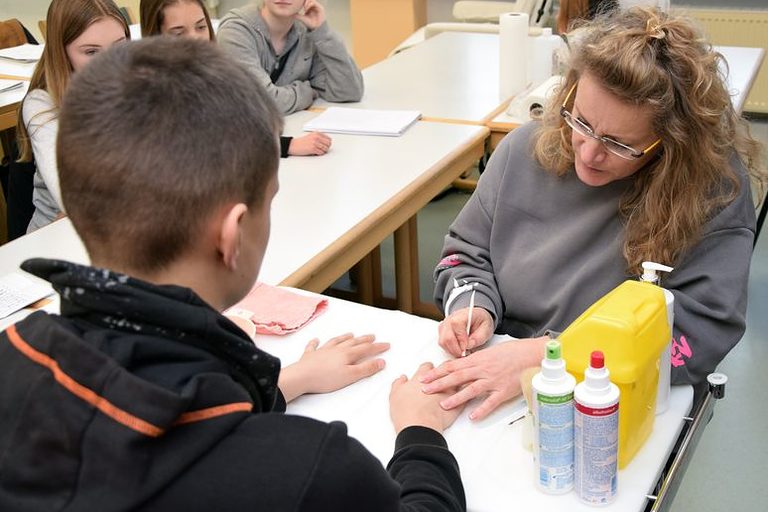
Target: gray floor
{"x":730,"y":465}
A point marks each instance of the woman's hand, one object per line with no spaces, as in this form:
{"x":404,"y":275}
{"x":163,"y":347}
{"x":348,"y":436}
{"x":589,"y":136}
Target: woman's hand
{"x":452,"y":331}
{"x":410,"y":406}
{"x":314,"y":14}
{"x":493,"y":371}
{"x":338,"y":363}
{"x":315,"y":143}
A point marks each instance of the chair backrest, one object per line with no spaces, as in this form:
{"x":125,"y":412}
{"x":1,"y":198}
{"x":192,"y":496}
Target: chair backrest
{"x":42,"y":25}
{"x":12,"y":33}
{"x":20,"y":207}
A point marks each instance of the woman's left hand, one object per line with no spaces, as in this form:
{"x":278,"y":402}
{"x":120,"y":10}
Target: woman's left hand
{"x":493,"y":371}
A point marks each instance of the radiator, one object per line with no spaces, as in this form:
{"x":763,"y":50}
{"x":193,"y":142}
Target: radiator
{"x":726,"y":27}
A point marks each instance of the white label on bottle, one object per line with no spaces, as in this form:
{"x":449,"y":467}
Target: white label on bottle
{"x":555,"y":438}
{"x":596,"y":447}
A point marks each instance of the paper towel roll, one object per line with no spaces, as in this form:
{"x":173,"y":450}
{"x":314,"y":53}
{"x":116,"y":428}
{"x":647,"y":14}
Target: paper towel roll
{"x":513,"y":37}
{"x":531,"y":105}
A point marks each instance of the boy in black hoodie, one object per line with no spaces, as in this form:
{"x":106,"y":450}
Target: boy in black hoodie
{"x":141,"y":396}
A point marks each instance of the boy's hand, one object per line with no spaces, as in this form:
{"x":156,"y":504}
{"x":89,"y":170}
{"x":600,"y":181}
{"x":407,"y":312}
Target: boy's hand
{"x":314,"y":14}
{"x":338,"y":363}
{"x":315,"y":143}
{"x":410,"y":406}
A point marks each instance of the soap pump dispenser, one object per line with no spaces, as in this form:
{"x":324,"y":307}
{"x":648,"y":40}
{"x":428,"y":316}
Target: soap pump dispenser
{"x":650,"y":275}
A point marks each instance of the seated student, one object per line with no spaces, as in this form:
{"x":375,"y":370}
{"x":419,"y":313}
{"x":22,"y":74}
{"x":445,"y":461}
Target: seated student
{"x":77,"y":30}
{"x":189,"y":18}
{"x":640,"y":156}
{"x":141,"y":395}
{"x":288,"y":46}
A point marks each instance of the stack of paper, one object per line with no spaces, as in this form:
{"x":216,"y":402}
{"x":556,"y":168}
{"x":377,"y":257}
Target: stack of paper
{"x":9,"y":85}
{"x":26,"y":53}
{"x":357,"y":121}
{"x":18,"y":291}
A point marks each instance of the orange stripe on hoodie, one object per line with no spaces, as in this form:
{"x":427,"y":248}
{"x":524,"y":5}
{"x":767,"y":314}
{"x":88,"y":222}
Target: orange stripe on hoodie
{"x":105,"y":406}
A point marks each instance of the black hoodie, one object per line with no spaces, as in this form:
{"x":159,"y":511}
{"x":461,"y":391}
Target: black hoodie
{"x":143,"y":397}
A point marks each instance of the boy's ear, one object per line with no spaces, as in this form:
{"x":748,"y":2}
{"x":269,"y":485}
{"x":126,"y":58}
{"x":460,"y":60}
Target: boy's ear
{"x":230,"y":236}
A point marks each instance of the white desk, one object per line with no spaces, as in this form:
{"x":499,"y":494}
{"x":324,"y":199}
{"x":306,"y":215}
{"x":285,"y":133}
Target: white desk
{"x":9,"y":101}
{"x":452,"y":76}
{"x":498,"y":473}
{"x":333,"y":210}
{"x":330,"y":211}
{"x":741,"y":68}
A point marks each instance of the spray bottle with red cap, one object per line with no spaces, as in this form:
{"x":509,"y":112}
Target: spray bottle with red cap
{"x":596,"y":434}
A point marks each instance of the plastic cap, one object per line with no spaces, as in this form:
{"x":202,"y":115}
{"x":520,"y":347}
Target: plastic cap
{"x":553,"y":350}
{"x":650,"y":270}
{"x":597,"y":360}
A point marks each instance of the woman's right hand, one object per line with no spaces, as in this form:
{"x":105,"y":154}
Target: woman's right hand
{"x":452,"y":331}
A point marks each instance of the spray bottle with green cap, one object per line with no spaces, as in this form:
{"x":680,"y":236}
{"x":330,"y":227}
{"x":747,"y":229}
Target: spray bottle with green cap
{"x":552,"y":397}
{"x":650,"y":275}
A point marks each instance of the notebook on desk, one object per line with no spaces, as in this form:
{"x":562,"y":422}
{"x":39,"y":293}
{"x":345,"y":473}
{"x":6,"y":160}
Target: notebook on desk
{"x":26,"y":53}
{"x":9,"y":85}
{"x":356,"y":121}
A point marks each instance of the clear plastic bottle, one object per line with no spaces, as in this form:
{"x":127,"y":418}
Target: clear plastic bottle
{"x":596,"y":434}
{"x":650,"y":275}
{"x":553,"y":423}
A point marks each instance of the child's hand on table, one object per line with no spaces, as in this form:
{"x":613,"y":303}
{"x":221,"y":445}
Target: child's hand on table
{"x":338,"y":363}
{"x":409,"y":406}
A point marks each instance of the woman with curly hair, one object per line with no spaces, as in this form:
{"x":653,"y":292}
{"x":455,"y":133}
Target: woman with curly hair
{"x":640,"y":156}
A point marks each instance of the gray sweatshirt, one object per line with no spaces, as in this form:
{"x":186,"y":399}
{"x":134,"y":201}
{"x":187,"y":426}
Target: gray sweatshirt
{"x":544,"y":248}
{"x":41,"y":118}
{"x":317,"y":62}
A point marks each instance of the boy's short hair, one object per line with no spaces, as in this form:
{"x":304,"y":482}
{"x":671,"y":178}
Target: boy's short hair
{"x":155,"y":137}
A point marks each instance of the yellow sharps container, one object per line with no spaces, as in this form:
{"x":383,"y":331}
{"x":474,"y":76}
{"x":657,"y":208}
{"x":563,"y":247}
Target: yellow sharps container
{"x":629,"y":325}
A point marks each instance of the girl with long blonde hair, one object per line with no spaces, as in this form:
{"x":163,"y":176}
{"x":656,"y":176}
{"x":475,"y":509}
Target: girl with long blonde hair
{"x":76,"y":30}
{"x":640,"y":156}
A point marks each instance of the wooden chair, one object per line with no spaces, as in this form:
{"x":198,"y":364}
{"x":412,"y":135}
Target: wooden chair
{"x":12,"y":33}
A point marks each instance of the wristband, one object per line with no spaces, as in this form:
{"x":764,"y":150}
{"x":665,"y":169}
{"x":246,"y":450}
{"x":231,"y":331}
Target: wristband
{"x":459,"y":288}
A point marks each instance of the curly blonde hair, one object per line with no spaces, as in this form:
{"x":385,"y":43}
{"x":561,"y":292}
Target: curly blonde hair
{"x":646,"y":57}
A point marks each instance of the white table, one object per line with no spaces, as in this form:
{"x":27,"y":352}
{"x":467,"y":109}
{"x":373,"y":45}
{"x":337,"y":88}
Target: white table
{"x":452,"y":76}
{"x":333,"y":210}
{"x":498,"y":473}
{"x":330,"y":211}
{"x":743,"y":66}
{"x":9,"y":101}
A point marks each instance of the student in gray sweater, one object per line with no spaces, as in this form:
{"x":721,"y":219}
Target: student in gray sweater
{"x":640,"y":156}
{"x":288,"y":45}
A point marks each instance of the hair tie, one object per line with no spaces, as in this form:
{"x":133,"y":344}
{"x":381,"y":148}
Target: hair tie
{"x":653,"y":29}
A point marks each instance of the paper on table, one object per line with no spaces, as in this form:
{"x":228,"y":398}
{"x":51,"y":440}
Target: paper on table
{"x":358,"y":121}
{"x":18,"y":292}
{"x":9,"y":85}
{"x":25,"y":53}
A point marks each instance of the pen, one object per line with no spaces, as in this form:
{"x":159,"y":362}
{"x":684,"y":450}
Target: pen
{"x":469,"y":319}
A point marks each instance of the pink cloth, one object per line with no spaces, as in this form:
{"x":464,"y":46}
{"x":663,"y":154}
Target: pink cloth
{"x":278,"y":311}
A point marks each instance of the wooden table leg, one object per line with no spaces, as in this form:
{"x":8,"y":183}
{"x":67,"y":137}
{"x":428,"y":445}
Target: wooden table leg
{"x":407,"y":265}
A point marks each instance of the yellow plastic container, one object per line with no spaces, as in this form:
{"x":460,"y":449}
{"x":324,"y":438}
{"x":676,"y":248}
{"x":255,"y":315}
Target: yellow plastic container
{"x":629,"y":325}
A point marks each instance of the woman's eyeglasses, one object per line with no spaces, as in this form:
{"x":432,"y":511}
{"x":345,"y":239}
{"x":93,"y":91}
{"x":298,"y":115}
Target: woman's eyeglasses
{"x":615,"y":147}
